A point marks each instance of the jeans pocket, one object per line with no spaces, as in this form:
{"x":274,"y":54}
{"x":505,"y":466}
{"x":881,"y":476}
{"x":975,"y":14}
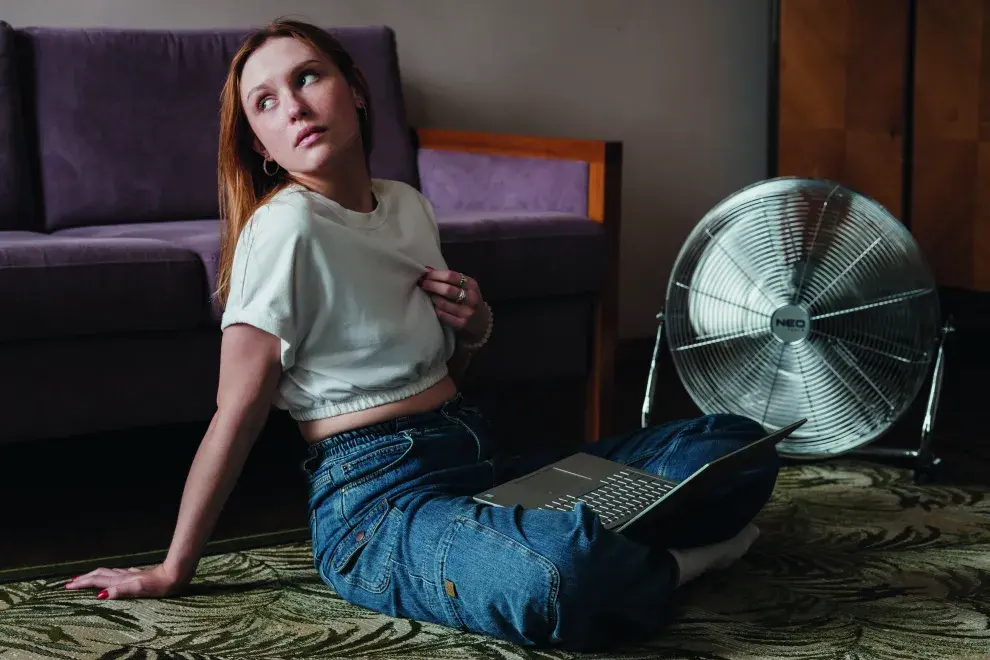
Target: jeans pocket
{"x":497,"y":586}
{"x":368,"y":475}
{"x":363,"y":558}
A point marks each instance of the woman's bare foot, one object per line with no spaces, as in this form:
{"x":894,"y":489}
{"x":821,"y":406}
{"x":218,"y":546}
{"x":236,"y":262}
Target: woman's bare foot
{"x":695,"y":561}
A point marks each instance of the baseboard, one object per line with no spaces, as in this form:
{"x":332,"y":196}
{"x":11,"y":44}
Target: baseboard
{"x":78,"y":567}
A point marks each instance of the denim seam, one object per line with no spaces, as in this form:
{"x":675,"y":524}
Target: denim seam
{"x":324,"y":479}
{"x":548,"y":566}
{"x":477,"y":440}
{"x":412,"y":572}
{"x":313,"y":527}
{"x":445,"y":543}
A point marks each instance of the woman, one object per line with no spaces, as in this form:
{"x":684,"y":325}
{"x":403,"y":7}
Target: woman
{"x":339,"y":308}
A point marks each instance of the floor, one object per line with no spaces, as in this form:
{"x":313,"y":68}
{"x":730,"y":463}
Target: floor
{"x":119,"y":493}
{"x":852,"y":562}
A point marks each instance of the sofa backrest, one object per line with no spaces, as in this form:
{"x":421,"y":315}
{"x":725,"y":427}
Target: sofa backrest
{"x":17,"y":209}
{"x":127,"y":123}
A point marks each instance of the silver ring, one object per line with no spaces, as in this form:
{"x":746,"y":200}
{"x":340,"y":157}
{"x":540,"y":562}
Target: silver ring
{"x":463,"y":280}
{"x":461,"y":296}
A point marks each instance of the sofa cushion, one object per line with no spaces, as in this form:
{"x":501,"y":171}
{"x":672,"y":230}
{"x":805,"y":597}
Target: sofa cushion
{"x":16,"y":183}
{"x":57,"y":286}
{"x":525,"y":254}
{"x":128,"y":119}
{"x":469,"y":181}
{"x":199,"y":236}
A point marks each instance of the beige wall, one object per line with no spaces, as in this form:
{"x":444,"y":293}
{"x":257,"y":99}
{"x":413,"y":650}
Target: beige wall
{"x":681,"y":82}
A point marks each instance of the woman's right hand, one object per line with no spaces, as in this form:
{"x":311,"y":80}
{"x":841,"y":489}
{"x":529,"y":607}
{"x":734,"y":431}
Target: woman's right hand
{"x":156,"y":582}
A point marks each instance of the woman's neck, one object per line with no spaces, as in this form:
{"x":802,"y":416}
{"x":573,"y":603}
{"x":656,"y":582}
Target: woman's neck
{"x":346,"y":182}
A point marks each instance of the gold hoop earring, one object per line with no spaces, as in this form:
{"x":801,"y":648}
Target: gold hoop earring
{"x":264,"y":166}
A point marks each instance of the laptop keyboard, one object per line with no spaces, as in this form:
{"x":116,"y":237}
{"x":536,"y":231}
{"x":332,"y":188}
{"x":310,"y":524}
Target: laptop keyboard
{"x":620,"y":495}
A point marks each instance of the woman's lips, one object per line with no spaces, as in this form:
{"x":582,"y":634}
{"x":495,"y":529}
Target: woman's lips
{"x":311,"y":138}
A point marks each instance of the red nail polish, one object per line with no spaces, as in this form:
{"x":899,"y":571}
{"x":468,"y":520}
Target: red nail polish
{"x":430,"y":268}
{"x":103,"y":594}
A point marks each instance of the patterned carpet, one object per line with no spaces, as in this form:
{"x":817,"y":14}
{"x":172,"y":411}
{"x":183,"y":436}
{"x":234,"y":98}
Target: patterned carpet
{"x":855,"y":561}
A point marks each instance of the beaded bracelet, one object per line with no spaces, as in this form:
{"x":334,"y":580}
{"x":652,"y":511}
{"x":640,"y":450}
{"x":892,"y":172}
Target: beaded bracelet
{"x":488,"y":332}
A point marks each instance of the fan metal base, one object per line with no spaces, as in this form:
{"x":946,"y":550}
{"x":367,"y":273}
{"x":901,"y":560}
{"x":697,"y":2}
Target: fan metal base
{"x":923,"y":457}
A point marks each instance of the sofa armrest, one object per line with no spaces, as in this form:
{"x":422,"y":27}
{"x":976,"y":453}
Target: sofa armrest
{"x":484,"y":171}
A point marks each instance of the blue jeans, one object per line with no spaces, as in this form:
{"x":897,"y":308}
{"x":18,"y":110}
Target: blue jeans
{"x":395,"y":528}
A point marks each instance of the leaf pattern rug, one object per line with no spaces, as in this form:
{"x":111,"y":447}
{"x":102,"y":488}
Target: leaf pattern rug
{"x":855,"y":560}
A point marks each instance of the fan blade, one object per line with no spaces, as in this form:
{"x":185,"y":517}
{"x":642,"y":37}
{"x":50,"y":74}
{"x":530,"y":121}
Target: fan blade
{"x":694,"y":289}
{"x":813,"y":249}
{"x":773,"y":301}
{"x":720,"y":375}
{"x":845,"y":271}
{"x":773,"y":382}
{"x":864,"y":347}
{"x":740,"y":375}
{"x":784,"y":249}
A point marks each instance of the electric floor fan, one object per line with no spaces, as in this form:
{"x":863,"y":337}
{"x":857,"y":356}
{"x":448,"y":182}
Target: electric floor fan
{"x":798,"y":297}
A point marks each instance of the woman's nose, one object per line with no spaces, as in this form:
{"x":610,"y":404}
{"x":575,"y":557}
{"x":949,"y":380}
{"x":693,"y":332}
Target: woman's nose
{"x":296,"y":108}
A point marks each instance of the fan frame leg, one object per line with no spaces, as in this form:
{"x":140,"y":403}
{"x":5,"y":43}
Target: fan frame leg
{"x":925,"y":460}
{"x":651,"y":382}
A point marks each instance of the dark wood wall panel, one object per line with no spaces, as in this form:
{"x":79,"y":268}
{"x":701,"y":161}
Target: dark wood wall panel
{"x":949,"y":196}
{"x":841,"y":93}
{"x":862,"y":84}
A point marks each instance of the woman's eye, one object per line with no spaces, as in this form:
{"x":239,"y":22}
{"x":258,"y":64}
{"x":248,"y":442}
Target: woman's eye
{"x":262,"y":102}
{"x":309,"y":74}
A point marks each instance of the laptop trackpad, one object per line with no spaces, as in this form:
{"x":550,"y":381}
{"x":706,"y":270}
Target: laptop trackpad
{"x":558,"y":482}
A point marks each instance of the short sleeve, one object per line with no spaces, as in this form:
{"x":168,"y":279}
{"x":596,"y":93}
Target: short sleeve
{"x":430,"y":215}
{"x":271,"y":266}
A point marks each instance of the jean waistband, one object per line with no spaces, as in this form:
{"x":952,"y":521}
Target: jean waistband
{"x":389,"y":427}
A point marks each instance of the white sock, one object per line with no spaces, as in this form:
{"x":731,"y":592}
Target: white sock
{"x":696,"y":561}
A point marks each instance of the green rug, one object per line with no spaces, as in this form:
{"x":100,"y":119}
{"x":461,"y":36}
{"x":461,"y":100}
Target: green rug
{"x":855,"y":561}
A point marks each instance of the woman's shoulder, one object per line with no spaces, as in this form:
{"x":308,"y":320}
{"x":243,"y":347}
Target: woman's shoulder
{"x":405,"y":201}
{"x":398,"y":190}
{"x":288,"y":212}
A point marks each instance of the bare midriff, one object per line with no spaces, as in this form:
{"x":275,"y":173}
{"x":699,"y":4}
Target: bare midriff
{"x":318,"y":429}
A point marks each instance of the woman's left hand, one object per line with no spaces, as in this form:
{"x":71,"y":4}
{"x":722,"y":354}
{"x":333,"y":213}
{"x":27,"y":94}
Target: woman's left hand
{"x":458,"y":301}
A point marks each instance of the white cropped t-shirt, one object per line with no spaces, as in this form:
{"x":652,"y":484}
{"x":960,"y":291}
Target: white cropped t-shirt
{"x":339,"y":289}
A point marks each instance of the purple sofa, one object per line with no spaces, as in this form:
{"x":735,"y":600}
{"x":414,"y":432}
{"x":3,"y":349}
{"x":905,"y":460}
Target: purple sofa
{"x":109,"y":238}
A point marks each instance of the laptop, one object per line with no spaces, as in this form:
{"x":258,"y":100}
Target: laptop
{"x":621,"y":495}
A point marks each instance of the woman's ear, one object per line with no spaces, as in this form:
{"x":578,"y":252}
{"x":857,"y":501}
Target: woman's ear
{"x":358,"y":99}
{"x":260,"y":148}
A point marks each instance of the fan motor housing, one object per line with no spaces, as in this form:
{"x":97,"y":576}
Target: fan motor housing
{"x":790,"y":323}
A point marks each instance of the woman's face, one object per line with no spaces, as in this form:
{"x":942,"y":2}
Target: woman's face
{"x":301,"y":109}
